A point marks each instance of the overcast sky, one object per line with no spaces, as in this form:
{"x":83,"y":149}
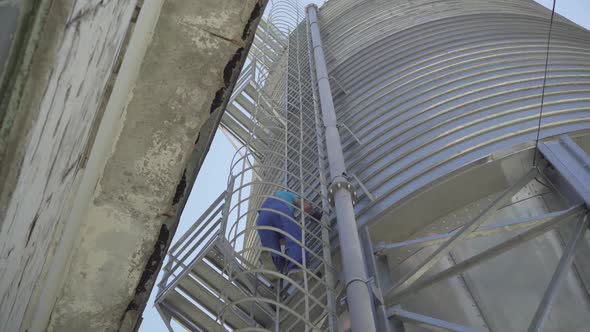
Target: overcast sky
{"x":213,"y":176}
{"x":578,"y":11}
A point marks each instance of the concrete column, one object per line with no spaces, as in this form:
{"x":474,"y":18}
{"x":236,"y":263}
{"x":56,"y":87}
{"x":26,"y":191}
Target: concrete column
{"x":185,"y":79}
{"x":66,"y":53}
{"x":88,"y":217}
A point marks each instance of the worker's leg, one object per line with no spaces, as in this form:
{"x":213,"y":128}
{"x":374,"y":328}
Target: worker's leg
{"x":293,"y":249}
{"x":269,"y":238}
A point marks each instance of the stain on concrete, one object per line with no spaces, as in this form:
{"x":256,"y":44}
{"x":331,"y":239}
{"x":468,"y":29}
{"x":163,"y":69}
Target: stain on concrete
{"x":32,"y":228}
{"x":151,"y":267}
{"x":8,"y":24}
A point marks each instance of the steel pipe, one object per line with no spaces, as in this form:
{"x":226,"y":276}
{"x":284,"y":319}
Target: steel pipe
{"x":357,"y":289}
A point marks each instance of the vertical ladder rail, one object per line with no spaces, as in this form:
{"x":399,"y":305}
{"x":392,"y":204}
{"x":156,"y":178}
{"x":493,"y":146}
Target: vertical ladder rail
{"x":329,"y":273}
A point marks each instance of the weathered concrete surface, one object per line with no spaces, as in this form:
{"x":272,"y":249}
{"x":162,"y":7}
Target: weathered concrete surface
{"x":184,"y":82}
{"x":72,"y":47}
{"x":9,"y":14}
{"x":85,"y":222}
{"x":18,"y":23}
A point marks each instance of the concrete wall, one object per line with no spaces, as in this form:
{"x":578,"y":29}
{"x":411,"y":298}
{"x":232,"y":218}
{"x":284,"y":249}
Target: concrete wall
{"x":87,"y":220}
{"x":17,"y":23}
{"x":77,"y":46}
{"x":9,"y":19}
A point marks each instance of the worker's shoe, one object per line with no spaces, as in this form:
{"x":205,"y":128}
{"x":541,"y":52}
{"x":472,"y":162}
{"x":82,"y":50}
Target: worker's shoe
{"x":267,"y":262}
{"x":272,"y":278}
{"x":295,"y":274}
{"x":269,"y":265}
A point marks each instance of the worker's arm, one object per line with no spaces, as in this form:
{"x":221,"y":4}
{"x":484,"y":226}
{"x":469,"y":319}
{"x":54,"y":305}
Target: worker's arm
{"x":306,"y":205}
{"x":309,"y":209}
{"x":317,"y":214}
{"x":297,"y":202}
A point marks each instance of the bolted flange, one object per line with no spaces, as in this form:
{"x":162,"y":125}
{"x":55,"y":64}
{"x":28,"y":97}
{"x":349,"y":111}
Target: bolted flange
{"x":338,"y":184}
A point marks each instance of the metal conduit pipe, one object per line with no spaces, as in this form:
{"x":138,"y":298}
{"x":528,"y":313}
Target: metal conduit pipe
{"x":358,"y":292}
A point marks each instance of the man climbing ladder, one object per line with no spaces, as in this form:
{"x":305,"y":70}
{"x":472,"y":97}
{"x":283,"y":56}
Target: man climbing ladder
{"x":279,"y":212}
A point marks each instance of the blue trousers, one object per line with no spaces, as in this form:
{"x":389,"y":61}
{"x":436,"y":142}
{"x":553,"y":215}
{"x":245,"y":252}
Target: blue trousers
{"x":271,"y":239}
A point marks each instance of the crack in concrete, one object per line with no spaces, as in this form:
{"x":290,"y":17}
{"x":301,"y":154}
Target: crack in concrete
{"x":180,"y":188}
{"x":234,"y":41}
{"x":150,"y":272}
{"x":31,"y":229}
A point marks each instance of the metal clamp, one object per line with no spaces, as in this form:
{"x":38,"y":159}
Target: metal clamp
{"x":371,"y":285}
{"x":341,"y":183}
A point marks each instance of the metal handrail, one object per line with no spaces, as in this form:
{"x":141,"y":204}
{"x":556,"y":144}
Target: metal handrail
{"x":165,"y":288}
{"x":194,"y":239}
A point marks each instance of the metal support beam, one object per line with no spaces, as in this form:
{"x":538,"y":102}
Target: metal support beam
{"x":507,"y":226}
{"x":379,"y":269}
{"x":564,"y":265}
{"x":412,"y":317}
{"x":572,"y":164}
{"x":356,"y":138}
{"x":489,"y":253}
{"x":444,"y":249}
{"x":358,"y":290}
{"x":339,"y":85}
{"x":166,"y":318}
{"x":364,"y":188}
